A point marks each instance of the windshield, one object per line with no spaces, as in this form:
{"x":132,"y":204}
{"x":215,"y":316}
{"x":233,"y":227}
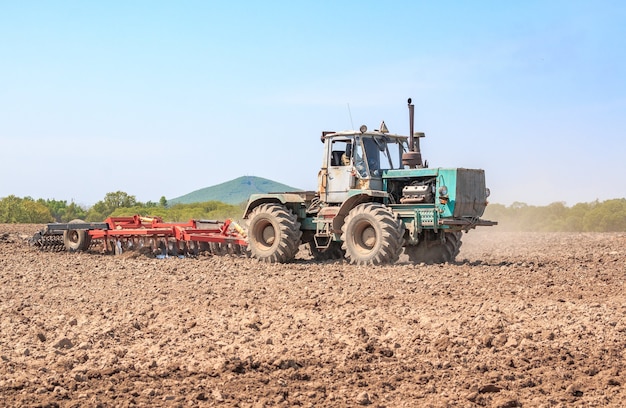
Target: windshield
{"x":374,"y":154}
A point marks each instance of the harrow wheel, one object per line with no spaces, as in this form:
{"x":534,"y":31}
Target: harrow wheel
{"x":372,"y":235}
{"x":273,"y":233}
{"x":432,"y":250}
{"x":76,"y":240}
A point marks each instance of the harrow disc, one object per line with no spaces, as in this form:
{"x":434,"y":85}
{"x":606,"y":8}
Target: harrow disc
{"x":217,"y":248}
{"x":48,"y":241}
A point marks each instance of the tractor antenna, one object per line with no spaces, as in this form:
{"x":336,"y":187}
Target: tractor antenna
{"x":350,"y":114}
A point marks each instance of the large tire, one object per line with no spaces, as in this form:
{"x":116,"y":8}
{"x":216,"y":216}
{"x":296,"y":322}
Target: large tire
{"x":76,"y":240}
{"x":333,"y":252}
{"x":372,"y":235}
{"x":273,"y":233}
{"x":431,"y":250}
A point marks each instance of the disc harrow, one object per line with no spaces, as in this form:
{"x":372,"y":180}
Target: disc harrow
{"x":145,"y":234}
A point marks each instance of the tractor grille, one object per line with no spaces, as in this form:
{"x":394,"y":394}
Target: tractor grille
{"x":471,"y":197}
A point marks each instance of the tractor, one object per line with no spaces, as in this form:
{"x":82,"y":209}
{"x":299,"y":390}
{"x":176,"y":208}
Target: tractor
{"x":376,"y":198}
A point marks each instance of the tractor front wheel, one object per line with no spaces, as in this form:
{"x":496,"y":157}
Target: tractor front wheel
{"x":433,"y":250}
{"x":273,"y":233}
{"x":372,"y":235}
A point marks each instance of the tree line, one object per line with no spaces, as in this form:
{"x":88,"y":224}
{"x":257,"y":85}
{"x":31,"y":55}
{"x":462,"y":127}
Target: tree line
{"x":605,"y":216}
{"x":116,"y":204}
{"x":596,"y":216}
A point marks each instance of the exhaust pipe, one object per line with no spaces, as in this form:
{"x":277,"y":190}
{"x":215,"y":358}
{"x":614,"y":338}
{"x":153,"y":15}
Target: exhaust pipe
{"x":411,"y":124}
{"x":412,"y":158}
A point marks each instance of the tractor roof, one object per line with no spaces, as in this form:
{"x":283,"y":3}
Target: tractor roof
{"x":374,"y":133}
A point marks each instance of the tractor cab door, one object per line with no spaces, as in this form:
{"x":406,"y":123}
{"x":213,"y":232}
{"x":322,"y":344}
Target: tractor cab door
{"x":339,"y":177}
{"x":367,"y":162}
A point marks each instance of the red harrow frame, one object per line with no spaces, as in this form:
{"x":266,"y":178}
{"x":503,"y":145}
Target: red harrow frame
{"x":119,"y":234}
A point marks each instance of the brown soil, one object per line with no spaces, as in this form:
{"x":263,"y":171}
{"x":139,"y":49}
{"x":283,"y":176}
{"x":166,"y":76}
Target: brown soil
{"x":521,"y":320}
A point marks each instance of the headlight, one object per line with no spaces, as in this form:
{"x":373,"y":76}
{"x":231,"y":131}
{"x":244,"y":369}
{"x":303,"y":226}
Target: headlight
{"x":443,"y":191}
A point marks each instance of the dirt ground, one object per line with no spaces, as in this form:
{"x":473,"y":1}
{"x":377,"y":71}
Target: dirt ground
{"x":532,"y":320}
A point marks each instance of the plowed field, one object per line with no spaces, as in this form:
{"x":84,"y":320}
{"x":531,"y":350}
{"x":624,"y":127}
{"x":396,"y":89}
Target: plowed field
{"x":519,"y":320}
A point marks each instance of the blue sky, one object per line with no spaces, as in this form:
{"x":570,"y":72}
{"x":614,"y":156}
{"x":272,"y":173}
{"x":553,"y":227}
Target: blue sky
{"x":163,"y":98}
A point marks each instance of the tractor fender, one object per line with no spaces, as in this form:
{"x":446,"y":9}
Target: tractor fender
{"x":352,"y":201}
{"x":278,"y":198}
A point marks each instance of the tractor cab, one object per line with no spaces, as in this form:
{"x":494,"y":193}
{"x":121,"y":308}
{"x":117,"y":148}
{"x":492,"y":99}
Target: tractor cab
{"x":356,"y":160}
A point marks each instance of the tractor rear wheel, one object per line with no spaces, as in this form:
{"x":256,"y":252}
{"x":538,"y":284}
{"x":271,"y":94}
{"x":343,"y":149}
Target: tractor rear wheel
{"x":372,"y":235}
{"x":76,"y":240}
{"x":432,"y":250}
{"x":273,"y":233}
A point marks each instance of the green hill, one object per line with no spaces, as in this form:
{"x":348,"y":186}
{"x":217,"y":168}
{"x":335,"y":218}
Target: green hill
{"x":232,"y":192}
